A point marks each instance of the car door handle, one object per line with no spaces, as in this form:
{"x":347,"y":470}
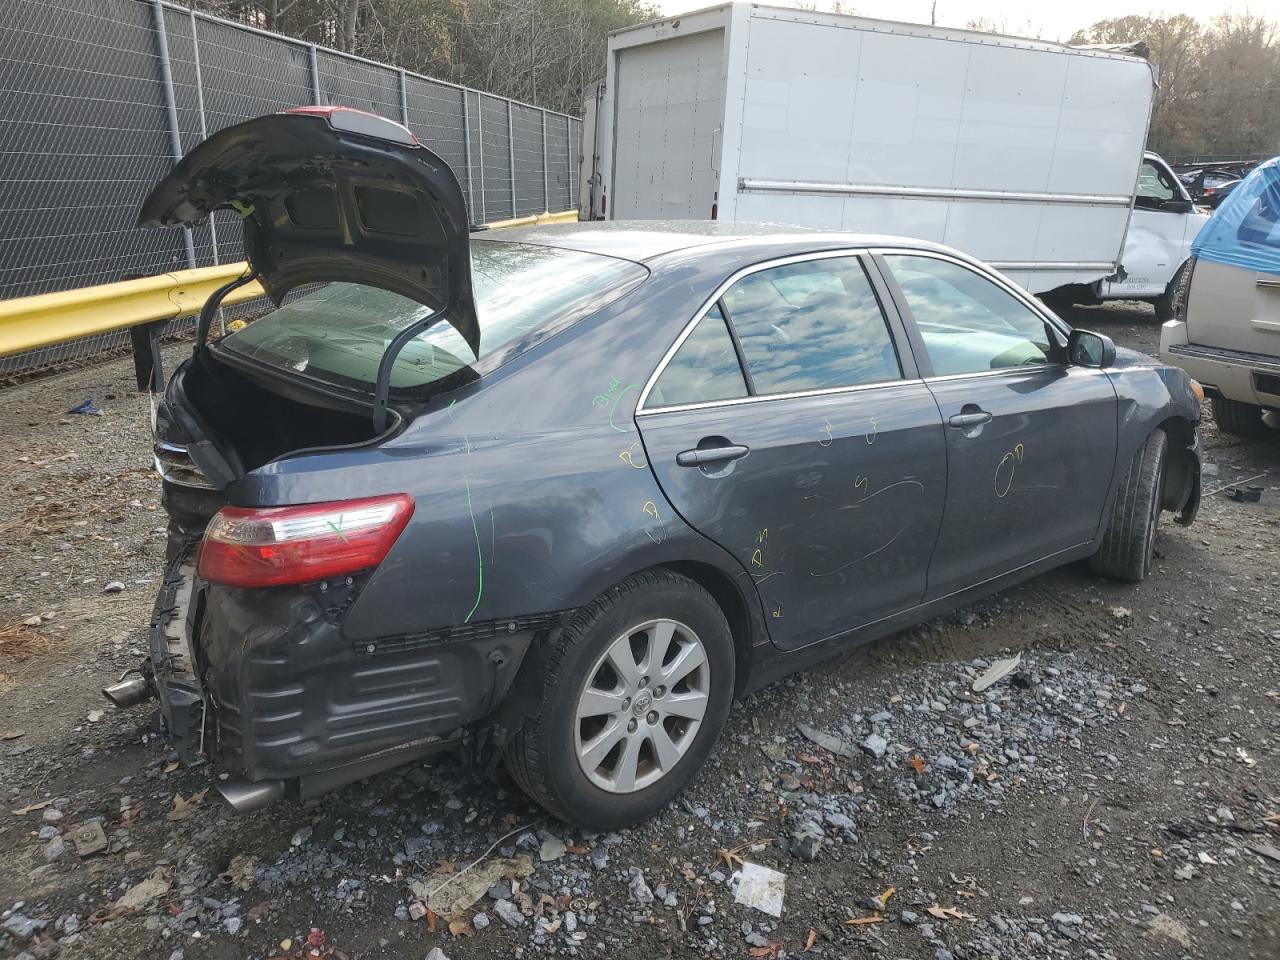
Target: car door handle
{"x":704,"y":455}
{"x":970,"y":419}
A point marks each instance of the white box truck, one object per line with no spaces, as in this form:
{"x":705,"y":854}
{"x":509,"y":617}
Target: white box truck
{"x":1023,"y":153}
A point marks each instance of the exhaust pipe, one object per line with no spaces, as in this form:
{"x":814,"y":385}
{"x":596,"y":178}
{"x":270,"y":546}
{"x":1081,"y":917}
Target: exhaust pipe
{"x":130,"y":691}
{"x":246,"y":795}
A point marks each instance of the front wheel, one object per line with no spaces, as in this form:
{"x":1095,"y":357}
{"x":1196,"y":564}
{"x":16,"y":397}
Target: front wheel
{"x":1128,"y":543}
{"x":636,"y":692}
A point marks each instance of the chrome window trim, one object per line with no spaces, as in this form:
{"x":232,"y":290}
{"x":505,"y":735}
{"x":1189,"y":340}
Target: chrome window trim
{"x":720,"y":291}
{"x":736,"y":401}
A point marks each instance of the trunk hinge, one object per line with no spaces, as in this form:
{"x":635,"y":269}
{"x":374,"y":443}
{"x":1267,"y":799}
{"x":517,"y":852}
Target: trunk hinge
{"x":211,"y":307}
{"x":383,"y":387}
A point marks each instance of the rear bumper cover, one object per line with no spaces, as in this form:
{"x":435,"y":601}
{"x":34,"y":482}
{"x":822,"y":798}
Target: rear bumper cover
{"x":1234,"y":374}
{"x":265,"y":685}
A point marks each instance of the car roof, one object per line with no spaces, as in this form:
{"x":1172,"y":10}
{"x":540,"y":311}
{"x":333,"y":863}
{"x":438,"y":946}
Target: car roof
{"x":646,"y":240}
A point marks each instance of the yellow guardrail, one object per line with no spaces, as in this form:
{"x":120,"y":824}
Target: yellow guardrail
{"x":27,"y":323}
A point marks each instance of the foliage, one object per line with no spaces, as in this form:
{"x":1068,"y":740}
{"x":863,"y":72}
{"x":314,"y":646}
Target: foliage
{"x":1219,"y":83}
{"x":540,"y":51}
{"x":1219,"y":86}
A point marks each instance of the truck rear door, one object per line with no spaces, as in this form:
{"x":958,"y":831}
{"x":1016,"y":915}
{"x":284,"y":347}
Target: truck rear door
{"x":668,"y":111}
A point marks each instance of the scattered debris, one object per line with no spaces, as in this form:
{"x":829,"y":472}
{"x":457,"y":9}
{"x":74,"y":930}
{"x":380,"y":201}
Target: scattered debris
{"x":827,"y":741}
{"x":240,"y":871}
{"x":553,"y":848}
{"x":1244,"y":494}
{"x":951,"y":913}
{"x":89,"y":838}
{"x":1266,"y":850}
{"x":761,"y":888}
{"x":139,"y":895}
{"x":86,"y":407}
{"x":113,"y":586}
{"x":31,"y":808}
{"x":997,"y":672}
{"x":182,"y":806}
{"x":465,"y":888}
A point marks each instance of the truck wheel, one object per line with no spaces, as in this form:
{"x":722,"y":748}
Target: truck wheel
{"x":1164,"y":302}
{"x":1129,"y":539}
{"x":1240,"y":419}
{"x":636,"y":691}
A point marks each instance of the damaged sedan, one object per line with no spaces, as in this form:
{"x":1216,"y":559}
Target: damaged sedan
{"x":555,"y":496}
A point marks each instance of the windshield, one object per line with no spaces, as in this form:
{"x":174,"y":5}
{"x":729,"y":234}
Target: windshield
{"x":523,"y":294}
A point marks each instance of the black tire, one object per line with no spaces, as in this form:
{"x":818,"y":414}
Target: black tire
{"x":1129,"y":540}
{"x":541,"y":757}
{"x":1240,"y":419}
{"x":1164,"y":302}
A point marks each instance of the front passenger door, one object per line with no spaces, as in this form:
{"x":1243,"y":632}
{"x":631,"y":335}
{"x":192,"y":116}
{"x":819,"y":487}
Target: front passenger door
{"x":1031,"y":439}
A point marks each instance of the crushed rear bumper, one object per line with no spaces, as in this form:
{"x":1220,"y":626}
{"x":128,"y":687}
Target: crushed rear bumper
{"x":264,"y":684}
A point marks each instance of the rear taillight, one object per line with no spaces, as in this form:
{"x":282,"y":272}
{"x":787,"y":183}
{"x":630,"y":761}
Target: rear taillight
{"x":272,"y":546}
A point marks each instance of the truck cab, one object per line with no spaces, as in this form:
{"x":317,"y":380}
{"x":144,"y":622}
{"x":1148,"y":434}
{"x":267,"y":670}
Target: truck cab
{"x":1162,"y":226}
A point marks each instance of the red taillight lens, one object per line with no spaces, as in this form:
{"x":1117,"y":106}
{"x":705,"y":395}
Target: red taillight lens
{"x":272,"y":546}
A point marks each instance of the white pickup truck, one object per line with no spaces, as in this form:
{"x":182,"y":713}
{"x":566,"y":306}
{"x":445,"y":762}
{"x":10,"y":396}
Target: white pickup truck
{"x":1027,"y":154}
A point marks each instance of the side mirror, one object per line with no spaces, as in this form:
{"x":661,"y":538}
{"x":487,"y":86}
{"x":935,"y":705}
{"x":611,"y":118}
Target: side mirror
{"x":1177,"y":206}
{"x":1088,"y":349}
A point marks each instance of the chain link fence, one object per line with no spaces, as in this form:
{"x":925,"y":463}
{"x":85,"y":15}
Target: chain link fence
{"x":98,"y":99}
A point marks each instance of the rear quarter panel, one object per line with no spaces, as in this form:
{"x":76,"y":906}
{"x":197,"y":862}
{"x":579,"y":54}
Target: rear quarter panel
{"x":532,"y":493}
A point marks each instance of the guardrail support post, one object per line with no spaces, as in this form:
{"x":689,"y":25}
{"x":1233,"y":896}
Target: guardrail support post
{"x":171,"y":108}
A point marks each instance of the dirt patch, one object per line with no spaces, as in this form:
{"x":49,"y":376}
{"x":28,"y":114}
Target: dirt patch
{"x":1114,"y":796}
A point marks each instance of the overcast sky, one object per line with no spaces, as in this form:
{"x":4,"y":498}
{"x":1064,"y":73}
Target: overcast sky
{"x":1049,"y":20}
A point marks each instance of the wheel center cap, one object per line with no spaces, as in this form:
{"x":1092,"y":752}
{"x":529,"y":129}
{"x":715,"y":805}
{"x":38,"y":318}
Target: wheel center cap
{"x":640,"y":705}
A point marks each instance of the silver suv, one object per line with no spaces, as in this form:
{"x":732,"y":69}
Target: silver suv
{"x":1226,"y":326}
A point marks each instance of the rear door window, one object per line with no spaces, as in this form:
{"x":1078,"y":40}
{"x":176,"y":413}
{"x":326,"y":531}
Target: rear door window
{"x":524,"y":293}
{"x":705,"y":368}
{"x":812,"y":325}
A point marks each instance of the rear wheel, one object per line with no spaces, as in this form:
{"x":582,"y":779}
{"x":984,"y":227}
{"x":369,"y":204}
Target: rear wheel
{"x":1128,"y":543}
{"x":1241,"y":419}
{"x":636,"y":692}
{"x":1164,"y":302}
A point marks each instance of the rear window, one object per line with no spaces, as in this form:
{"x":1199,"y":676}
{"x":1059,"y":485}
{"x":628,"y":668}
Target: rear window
{"x":524,"y":294}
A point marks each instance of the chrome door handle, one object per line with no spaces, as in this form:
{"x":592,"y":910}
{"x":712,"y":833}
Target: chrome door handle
{"x":969,"y":419}
{"x":701,"y":457}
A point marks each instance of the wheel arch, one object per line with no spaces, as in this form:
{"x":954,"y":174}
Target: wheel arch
{"x":1181,"y":468}
{"x":743,"y":627}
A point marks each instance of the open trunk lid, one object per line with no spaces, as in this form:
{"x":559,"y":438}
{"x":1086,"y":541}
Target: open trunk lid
{"x":332,"y":193}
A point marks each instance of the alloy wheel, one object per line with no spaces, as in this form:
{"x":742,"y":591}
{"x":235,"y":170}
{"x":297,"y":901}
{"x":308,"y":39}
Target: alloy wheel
{"x":640,"y":708}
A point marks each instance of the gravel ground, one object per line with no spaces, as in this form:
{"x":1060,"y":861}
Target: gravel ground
{"x":1115,"y":795}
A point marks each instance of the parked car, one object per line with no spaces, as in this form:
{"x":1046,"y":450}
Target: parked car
{"x":560,"y":494}
{"x":1226,"y":331}
{"x":1214,"y":193}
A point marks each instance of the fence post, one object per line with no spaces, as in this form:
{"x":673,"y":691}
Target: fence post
{"x":466,"y":153}
{"x":546,"y":191}
{"x":484,"y":212}
{"x":171,"y":109}
{"x":511,"y":155}
{"x":568,"y":156}
{"x":204,"y":129}
{"x":315,"y":73}
{"x":404,"y":98}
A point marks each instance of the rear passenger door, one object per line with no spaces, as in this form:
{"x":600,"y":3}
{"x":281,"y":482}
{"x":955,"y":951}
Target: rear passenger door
{"x":788,"y":425}
{"x":1031,"y":439}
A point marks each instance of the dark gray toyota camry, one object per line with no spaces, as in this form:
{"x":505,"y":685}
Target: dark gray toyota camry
{"x":557,"y":495}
